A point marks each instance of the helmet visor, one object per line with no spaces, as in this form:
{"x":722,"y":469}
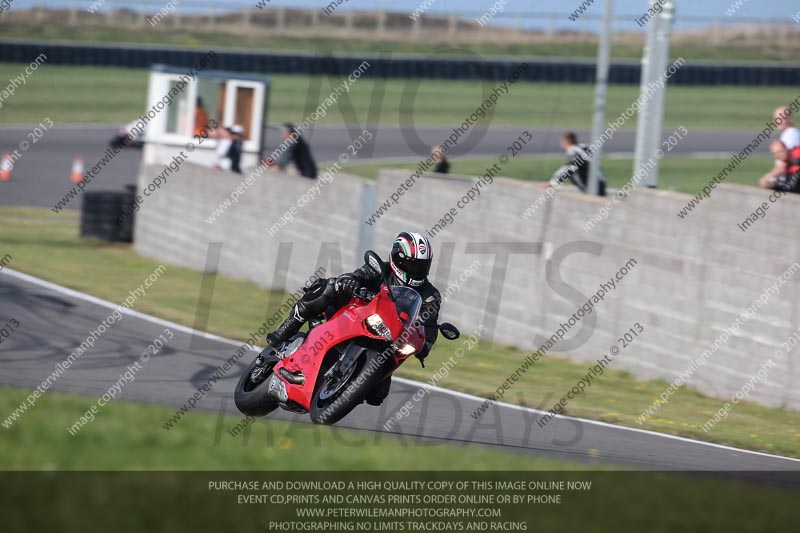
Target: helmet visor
{"x":417,"y":269}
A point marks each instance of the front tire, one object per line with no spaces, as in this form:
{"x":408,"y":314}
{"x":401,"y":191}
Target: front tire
{"x":334,"y":399}
{"x":252,"y":399}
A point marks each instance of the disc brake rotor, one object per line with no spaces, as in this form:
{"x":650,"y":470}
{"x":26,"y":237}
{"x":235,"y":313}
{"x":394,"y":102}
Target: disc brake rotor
{"x":331,"y":380}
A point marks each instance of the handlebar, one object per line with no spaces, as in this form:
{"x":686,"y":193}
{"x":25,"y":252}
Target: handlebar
{"x":364,"y":294}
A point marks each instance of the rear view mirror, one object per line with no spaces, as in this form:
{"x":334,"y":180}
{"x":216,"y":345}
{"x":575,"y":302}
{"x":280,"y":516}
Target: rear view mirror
{"x":449,"y":331}
{"x":372,"y":259}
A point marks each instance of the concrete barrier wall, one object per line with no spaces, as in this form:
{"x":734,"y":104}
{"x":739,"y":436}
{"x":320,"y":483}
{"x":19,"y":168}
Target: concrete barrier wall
{"x":690,"y":280}
{"x":172,"y":224}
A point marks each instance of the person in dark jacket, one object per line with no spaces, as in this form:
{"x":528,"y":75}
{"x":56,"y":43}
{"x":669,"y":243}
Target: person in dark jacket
{"x":409,"y":264}
{"x":298,"y":153}
{"x":577,"y":168}
{"x":236,"y":148}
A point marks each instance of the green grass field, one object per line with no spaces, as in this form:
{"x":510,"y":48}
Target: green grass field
{"x":685,"y":174}
{"x":46,"y":245}
{"x":557,"y":47}
{"x":113,"y":96}
{"x":129,"y":436}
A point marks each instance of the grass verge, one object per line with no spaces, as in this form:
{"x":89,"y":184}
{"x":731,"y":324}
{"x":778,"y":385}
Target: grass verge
{"x":729,"y":50}
{"x":46,"y":245}
{"x":128,"y":436}
{"x":685,"y":174}
{"x":115,"y":96}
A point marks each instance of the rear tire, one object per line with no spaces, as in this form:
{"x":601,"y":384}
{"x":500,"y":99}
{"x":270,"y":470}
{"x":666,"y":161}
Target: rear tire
{"x":369,"y":371}
{"x":253,"y":399}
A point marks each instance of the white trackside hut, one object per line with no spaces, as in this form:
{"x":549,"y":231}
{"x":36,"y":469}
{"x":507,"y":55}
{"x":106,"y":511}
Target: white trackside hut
{"x":182,"y":110}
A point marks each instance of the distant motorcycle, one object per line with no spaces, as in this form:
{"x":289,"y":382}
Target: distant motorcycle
{"x":121,"y":138}
{"x":329,"y":370}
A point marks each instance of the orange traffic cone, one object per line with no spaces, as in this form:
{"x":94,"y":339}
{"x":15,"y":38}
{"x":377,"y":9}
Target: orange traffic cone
{"x":77,"y":169}
{"x":6,"y":167}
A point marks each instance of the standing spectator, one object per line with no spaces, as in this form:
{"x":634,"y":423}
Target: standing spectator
{"x":442,"y":164}
{"x":236,"y":148}
{"x":200,"y":118}
{"x":224,"y":142}
{"x":577,"y":167}
{"x":298,"y":152}
{"x":230,"y":144}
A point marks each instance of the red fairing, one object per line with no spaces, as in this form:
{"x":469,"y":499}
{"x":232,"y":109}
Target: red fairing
{"x":344,"y":325}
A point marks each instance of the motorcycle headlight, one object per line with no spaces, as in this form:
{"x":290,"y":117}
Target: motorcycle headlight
{"x":376,"y":325}
{"x":406,"y":349}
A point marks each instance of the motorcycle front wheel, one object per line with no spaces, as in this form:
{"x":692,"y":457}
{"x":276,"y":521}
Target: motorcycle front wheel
{"x":252,"y":395}
{"x":339,"y":393}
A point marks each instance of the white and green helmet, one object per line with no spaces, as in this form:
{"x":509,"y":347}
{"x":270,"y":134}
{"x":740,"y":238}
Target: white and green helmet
{"x":411,"y":258}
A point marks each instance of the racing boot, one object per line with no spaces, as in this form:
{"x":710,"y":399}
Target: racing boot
{"x":289,"y":327}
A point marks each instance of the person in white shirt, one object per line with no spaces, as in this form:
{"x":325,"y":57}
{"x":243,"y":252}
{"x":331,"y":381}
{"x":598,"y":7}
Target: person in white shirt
{"x":790,"y":135}
{"x":229,"y":148}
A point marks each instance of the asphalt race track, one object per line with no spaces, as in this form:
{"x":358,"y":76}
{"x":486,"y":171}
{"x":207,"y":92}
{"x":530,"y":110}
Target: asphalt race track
{"x":41,"y":174}
{"x":54,"y":321}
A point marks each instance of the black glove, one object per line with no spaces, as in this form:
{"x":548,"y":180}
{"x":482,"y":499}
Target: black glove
{"x":423,"y":354}
{"x":347,"y":285}
{"x":364,"y":293}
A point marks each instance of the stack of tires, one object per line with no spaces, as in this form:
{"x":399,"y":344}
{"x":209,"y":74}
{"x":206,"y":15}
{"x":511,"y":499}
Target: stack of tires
{"x":103,"y":215}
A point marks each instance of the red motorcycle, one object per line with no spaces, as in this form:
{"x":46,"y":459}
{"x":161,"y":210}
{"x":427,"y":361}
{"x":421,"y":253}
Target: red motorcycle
{"x":330,"y":369}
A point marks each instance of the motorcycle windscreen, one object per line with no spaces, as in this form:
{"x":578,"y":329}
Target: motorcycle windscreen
{"x":408,"y":303}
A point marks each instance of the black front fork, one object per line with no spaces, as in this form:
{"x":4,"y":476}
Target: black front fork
{"x":264,"y":361}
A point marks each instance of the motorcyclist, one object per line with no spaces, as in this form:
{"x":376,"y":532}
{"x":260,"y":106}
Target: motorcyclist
{"x":409,"y":265}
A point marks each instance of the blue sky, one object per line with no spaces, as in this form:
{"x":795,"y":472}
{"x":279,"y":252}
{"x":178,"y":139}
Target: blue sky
{"x":627,"y":9}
